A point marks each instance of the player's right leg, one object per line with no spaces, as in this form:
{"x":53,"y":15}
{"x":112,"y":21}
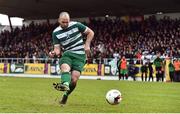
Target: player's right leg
{"x":78,"y":63}
{"x":142,"y":76}
{"x":119,"y":74}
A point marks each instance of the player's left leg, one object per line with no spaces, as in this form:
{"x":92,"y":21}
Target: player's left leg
{"x":142,"y":77}
{"x":72,"y":86}
{"x":119,"y":73}
{"x":126,"y":74}
{"x":145,"y":76}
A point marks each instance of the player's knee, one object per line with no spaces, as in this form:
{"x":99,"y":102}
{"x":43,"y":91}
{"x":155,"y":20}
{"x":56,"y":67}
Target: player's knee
{"x":65,"y":68}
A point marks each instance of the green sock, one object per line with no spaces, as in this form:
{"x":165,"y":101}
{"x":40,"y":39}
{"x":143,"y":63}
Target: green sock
{"x":65,"y":77}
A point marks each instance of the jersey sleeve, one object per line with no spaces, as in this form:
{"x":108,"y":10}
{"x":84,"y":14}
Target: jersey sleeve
{"x":55,"y":39}
{"x":81,"y":27}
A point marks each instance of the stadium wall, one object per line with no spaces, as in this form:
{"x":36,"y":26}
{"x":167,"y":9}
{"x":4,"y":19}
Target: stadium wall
{"x":27,"y":22}
{"x":160,"y":16}
{"x":84,"y":19}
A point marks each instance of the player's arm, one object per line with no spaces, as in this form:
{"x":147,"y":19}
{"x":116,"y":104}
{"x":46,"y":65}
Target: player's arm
{"x":90,"y":35}
{"x":88,"y":32}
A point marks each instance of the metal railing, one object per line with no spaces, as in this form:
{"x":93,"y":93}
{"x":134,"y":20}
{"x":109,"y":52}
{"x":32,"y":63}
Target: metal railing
{"x":56,"y":60}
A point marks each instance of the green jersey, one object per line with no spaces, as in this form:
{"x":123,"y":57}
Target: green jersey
{"x":71,"y":38}
{"x":158,"y":62}
{"x":171,"y":67}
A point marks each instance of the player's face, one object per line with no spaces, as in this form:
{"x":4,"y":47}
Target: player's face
{"x":158,"y":55}
{"x":64,"y":22}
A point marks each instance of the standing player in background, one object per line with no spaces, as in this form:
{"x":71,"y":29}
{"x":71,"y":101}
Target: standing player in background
{"x":119,"y":68}
{"x":69,"y":36}
{"x":123,"y":67}
{"x":171,"y":70}
{"x":150,"y":70}
{"x":144,"y":71}
{"x":158,"y":62}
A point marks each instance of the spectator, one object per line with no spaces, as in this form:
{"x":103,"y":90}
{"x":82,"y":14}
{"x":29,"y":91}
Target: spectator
{"x":171,"y":71}
{"x":144,"y":69}
{"x":111,"y":35}
{"x":158,"y":65}
{"x":177,"y":70}
{"x":150,"y":71}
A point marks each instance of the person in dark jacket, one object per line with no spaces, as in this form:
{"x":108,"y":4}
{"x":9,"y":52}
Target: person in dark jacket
{"x":150,"y":71}
{"x":171,"y":71}
{"x":144,"y":69}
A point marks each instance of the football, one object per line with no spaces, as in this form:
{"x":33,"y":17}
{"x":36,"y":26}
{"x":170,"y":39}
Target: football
{"x":113,"y":97}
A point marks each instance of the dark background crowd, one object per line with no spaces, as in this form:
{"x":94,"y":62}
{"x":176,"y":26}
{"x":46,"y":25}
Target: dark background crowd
{"x":111,"y":36}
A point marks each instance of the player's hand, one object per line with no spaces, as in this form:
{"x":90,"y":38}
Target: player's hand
{"x":52,"y":54}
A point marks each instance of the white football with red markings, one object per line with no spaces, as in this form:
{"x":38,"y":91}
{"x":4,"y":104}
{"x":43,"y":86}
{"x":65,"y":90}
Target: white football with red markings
{"x":113,"y":97}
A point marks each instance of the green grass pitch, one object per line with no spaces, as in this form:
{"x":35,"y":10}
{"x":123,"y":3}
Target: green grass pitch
{"x":37,"y":95}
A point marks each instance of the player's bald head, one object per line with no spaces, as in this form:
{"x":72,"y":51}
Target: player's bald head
{"x":64,"y":15}
{"x":64,"y":19}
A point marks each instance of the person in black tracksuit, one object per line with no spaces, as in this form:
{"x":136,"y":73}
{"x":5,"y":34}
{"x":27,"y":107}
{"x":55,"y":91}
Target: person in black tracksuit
{"x":150,"y":71}
{"x":144,"y":69}
{"x":132,"y":71}
{"x":119,"y":68}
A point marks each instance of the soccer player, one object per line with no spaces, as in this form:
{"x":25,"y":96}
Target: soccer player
{"x":158,"y":62}
{"x":69,"y":36}
{"x":123,"y":67}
